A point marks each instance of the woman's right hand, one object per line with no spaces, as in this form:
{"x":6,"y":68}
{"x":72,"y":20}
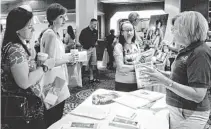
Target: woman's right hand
{"x":50,"y":63}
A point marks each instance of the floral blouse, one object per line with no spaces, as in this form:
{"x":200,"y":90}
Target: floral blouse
{"x":15,"y":54}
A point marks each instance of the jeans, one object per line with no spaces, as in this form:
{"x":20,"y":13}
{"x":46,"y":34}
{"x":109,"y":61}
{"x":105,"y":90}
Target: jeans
{"x":187,"y":119}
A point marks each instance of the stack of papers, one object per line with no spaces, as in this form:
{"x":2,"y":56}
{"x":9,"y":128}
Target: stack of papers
{"x":140,"y":99}
{"x":149,"y":95}
{"x":90,"y":112}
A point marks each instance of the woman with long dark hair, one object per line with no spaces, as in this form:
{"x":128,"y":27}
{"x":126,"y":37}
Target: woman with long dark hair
{"x":69,"y":39}
{"x":19,"y":72}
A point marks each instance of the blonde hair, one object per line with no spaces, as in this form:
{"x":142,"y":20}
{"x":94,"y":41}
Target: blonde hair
{"x":191,"y":26}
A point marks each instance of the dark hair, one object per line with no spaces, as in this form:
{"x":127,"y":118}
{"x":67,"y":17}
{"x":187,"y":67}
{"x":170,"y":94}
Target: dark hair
{"x":121,"y":37}
{"x":16,"y":20}
{"x":53,"y":11}
{"x":71,"y":32}
{"x":112,"y":31}
{"x":158,"y":21}
{"x":93,"y":20}
{"x":1,"y":28}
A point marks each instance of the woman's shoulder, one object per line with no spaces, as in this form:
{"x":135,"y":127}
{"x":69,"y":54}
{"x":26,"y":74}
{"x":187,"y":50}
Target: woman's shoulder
{"x":49,"y":33}
{"x":15,"y":47}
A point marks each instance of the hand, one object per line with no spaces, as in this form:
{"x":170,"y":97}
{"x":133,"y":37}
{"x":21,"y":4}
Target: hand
{"x":50,"y":63}
{"x":154,"y":75}
{"x":73,"y":58}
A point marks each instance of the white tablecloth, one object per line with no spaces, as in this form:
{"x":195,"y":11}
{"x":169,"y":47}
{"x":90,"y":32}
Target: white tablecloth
{"x":149,"y":119}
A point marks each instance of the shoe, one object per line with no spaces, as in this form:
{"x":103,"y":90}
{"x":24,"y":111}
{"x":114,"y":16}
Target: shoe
{"x":91,"y":81}
{"x":97,"y":80}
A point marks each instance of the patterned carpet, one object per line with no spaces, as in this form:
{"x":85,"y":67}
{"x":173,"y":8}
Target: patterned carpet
{"x":79,"y":94}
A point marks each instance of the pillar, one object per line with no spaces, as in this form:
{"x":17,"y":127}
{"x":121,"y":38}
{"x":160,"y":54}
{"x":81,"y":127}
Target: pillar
{"x":85,"y":11}
{"x":174,"y":7}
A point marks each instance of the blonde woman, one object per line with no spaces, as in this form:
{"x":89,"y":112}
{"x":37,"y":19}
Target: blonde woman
{"x":187,"y":95}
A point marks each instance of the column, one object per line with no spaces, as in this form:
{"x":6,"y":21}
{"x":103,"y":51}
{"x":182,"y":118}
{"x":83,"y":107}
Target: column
{"x":85,"y":11}
{"x":174,"y":7}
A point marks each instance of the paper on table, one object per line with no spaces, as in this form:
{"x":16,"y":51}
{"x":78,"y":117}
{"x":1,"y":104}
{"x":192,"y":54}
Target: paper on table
{"x":149,"y":95}
{"x":135,"y":104}
{"x":79,"y":125}
{"x":90,"y":112}
{"x":127,"y":115}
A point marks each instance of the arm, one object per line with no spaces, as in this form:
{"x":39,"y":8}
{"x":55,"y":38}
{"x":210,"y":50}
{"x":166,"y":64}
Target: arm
{"x":165,"y":73}
{"x":50,"y":48}
{"x":20,"y":70}
{"x":198,"y":73}
{"x":118,"y":55}
{"x":81,"y":37}
{"x":189,"y":93}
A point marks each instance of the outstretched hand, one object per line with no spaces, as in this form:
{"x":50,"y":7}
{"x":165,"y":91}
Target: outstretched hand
{"x":154,"y":75}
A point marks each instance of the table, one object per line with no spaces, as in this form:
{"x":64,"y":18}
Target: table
{"x":148,"y":118}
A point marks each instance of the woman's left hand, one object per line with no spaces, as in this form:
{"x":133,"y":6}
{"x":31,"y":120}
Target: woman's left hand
{"x":154,"y":75}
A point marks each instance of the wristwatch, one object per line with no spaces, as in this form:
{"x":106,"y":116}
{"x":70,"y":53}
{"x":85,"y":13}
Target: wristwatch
{"x":44,"y":67}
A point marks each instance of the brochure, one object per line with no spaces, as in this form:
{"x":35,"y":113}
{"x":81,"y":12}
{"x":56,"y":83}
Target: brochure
{"x":124,"y":123}
{"x":145,"y":56}
{"x":90,"y":112}
{"x":79,"y":125}
{"x":141,"y":78}
{"x":103,"y":99}
{"x":50,"y":93}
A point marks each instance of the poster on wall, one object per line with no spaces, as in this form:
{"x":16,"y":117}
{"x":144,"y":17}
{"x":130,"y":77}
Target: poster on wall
{"x":157,"y":29}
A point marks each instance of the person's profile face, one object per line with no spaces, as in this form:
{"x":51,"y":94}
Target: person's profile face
{"x":60,"y":20}
{"x":27,"y":31}
{"x":94,"y":24}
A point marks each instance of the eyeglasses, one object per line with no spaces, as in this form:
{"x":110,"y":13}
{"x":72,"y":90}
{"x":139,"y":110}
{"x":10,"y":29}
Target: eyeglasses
{"x":128,"y":30}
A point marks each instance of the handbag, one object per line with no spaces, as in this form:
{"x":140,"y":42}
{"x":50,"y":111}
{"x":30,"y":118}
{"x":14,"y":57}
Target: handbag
{"x":74,"y":73}
{"x":14,"y":108}
{"x":13,"y":105}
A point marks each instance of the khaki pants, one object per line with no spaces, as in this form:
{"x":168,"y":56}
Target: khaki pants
{"x":187,"y":119}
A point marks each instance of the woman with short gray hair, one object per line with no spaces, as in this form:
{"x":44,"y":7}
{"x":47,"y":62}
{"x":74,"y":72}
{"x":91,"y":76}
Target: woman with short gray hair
{"x":187,"y":96}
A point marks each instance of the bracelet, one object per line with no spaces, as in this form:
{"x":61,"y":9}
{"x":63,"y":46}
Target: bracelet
{"x":171,"y":84}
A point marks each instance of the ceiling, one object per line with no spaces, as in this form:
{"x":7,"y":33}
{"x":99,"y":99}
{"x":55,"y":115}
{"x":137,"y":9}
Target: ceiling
{"x":128,"y":1}
{"x":41,"y":5}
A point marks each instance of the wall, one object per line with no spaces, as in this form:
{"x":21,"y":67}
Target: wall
{"x":111,"y":9}
{"x":201,"y":6}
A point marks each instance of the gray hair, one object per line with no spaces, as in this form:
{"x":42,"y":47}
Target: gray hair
{"x":133,"y":16}
{"x":191,"y":26}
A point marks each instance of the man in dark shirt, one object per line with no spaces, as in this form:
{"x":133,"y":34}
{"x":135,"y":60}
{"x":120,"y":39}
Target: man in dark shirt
{"x":88,"y":39}
{"x":109,"y":40}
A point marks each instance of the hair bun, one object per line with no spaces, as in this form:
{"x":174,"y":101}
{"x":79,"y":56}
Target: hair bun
{"x":26,"y":7}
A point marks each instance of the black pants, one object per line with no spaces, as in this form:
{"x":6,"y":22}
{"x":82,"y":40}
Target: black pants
{"x":127,"y":87}
{"x":54,"y":114}
{"x":111,"y":57}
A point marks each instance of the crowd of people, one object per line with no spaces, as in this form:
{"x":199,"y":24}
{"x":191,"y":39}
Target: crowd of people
{"x":186,"y":87}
